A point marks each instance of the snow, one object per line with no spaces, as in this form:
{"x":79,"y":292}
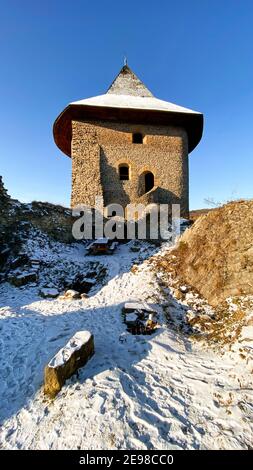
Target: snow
{"x":75,"y":343}
{"x":133,"y":102}
{"x":138,"y":306}
{"x":183,"y":289}
{"x":49,"y":292}
{"x":101,"y":241}
{"x":161,"y":391}
{"x":131,"y":318}
{"x":90,"y":281}
{"x":246,"y":336}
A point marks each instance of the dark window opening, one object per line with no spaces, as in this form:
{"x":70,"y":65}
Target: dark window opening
{"x":124,"y":172}
{"x":149,"y":181}
{"x":137,"y":138}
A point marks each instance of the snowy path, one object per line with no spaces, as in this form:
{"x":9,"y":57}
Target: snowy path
{"x":135,"y":393}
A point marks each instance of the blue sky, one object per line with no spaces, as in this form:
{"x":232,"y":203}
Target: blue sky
{"x":196,"y":53}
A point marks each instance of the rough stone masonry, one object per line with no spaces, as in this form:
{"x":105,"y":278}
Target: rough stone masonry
{"x":128,"y":146}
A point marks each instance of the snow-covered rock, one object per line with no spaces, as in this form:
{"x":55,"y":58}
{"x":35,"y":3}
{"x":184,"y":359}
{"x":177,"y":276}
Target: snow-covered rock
{"x":49,"y":292}
{"x":184,"y":289}
{"x":67,"y":361}
{"x":131,"y":318}
{"x":72,"y":294}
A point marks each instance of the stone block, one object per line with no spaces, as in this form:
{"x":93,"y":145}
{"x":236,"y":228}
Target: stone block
{"x":67,"y":361}
{"x":21,"y":279}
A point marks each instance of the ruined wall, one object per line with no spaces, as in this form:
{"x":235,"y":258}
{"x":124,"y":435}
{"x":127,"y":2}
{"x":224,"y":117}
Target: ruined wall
{"x":98,"y":148}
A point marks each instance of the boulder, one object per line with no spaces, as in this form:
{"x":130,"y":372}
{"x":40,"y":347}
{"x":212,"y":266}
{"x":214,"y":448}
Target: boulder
{"x":19,"y":279}
{"x":70,"y":294}
{"x":49,"y":292}
{"x":4,"y":253}
{"x":135,"y":249}
{"x":184,"y":289}
{"x":83,"y":284}
{"x":20,"y":260}
{"x":73,"y":294}
{"x":131,"y":319}
{"x":178,"y":294}
{"x":67,"y":361}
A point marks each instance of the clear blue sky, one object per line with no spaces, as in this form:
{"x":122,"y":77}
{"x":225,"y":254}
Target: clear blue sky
{"x":196,"y":53}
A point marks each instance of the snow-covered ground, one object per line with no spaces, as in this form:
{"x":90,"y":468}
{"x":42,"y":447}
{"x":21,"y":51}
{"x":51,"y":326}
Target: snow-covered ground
{"x":137,"y":392}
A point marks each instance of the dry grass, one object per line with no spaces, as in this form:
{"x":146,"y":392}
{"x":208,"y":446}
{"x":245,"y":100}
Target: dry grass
{"x":225,"y":328}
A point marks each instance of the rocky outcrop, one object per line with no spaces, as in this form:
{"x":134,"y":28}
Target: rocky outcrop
{"x":67,"y":361}
{"x":52,"y":219}
{"x":5,"y":224}
{"x":17,"y":220}
{"x":4,"y":197}
{"x":215,"y":255}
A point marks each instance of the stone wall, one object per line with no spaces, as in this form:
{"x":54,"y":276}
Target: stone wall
{"x":98,"y":148}
{"x":86,"y":180}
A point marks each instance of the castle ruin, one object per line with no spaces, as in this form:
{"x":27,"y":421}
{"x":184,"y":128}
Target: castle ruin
{"x":128,"y":146}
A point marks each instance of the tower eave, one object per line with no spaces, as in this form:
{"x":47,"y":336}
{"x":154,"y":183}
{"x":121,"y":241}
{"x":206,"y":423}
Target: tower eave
{"x":62,"y":129}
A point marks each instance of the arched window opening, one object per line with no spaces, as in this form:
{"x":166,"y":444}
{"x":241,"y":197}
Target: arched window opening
{"x":149,"y":181}
{"x":137,"y":138}
{"x":146,"y":182}
{"x":124,"y":172}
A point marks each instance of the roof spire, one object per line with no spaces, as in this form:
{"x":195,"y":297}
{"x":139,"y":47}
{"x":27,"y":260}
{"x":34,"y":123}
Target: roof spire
{"x":125,"y":60}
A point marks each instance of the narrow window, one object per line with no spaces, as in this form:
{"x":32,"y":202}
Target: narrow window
{"x":146,"y":182}
{"x":149,"y":181}
{"x":124,"y":172}
{"x":137,"y":138}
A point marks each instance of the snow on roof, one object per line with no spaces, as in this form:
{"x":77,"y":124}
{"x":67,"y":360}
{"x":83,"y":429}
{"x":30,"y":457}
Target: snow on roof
{"x":132,"y":102}
{"x":128,"y":91}
{"x":126,"y":97}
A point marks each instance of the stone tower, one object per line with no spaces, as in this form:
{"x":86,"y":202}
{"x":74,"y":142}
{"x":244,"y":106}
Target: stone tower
{"x":128,"y":146}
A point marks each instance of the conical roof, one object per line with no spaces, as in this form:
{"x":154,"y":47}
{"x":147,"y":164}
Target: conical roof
{"x":127,"y":83}
{"x":127,"y":100}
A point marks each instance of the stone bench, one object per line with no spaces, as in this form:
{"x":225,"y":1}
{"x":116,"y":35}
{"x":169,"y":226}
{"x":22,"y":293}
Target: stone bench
{"x":67,"y":361}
